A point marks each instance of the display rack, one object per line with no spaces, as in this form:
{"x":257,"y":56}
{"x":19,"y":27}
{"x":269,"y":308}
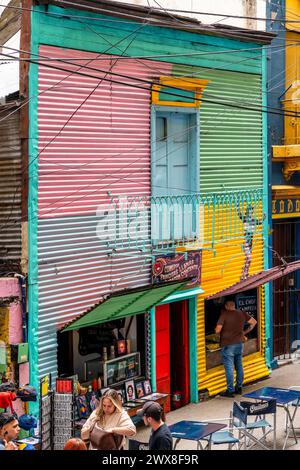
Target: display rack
{"x":64,"y":416}
{"x":46,"y":413}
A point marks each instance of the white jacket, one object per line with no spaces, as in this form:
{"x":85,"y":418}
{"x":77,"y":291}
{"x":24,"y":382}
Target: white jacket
{"x":116,"y":420}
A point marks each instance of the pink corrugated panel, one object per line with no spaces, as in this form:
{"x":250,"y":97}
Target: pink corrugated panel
{"x":94,"y":136}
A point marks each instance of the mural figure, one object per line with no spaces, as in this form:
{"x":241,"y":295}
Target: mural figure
{"x":250,"y":222}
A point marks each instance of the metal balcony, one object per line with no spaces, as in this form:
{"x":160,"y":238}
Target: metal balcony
{"x":183,"y":221}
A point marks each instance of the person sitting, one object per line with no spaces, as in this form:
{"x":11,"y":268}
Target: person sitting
{"x":111,"y":417}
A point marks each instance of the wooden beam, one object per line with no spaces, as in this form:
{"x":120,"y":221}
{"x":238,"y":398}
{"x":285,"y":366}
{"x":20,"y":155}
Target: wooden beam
{"x":10,"y":21}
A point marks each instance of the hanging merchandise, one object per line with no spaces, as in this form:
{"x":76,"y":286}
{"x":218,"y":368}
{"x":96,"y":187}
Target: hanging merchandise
{"x":22,"y":353}
{"x":2,"y":354}
{"x":27,"y":393}
{"x":8,"y":387}
{"x":6,"y":399}
{"x":27,"y":422}
{"x":46,"y":413}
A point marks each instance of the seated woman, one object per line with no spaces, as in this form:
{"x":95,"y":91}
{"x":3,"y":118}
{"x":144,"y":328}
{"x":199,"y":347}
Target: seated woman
{"x":109,"y":416}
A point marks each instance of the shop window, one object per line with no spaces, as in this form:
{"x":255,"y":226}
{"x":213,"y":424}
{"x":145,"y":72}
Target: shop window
{"x":114,"y":351}
{"x":246,"y":301}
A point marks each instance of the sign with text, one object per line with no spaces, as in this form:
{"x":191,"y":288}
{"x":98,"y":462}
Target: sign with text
{"x":248,"y":303}
{"x":283,"y":208}
{"x":178,"y":267}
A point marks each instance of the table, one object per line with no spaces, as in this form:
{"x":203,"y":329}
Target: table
{"x":194,"y":431}
{"x":138,"y":406}
{"x":284,"y":397}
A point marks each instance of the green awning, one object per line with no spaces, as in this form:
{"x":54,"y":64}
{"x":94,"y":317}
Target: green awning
{"x":119,"y":306}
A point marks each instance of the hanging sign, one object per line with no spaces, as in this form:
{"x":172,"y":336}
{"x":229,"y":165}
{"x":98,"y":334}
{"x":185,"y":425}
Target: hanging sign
{"x":178,"y":267}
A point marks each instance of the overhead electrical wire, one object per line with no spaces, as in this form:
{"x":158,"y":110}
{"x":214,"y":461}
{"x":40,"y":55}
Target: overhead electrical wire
{"x":183,"y":23}
{"x":148,"y":82}
{"x":134,"y":78}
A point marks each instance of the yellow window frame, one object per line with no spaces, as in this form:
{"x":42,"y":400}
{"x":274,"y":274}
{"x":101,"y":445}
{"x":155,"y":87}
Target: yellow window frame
{"x":185,"y":83}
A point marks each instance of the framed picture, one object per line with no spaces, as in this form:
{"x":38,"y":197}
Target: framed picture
{"x":103,"y":390}
{"x":147,"y":387}
{"x":121,"y":345}
{"x":139,"y":389}
{"x":93,"y":400}
{"x":130,"y":390}
{"x":82,"y":406}
{"x":121,"y":395}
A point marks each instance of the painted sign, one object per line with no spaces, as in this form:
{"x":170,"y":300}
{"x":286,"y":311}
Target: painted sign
{"x":248,"y":303}
{"x":283,"y":208}
{"x":177,"y":267}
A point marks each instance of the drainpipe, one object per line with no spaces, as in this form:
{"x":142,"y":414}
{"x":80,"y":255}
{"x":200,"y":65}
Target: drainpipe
{"x":22,"y":281}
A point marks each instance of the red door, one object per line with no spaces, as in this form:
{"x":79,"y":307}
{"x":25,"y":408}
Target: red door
{"x":180,"y":369}
{"x":163,"y":379}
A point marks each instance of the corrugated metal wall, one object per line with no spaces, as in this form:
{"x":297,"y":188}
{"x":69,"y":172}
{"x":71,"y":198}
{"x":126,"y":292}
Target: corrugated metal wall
{"x":231,"y":155}
{"x":94,"y":139}
{"x":222,"y":268}
{"x":10,"y":187}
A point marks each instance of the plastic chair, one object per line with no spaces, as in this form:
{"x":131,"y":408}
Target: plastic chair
{"x":296,"y":404}
{"x":241,"y":413}
{"x":224,"y":437}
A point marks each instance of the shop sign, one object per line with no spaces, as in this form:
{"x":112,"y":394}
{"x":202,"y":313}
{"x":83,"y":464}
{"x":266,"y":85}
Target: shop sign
{"x":178,"y":267}
{"x":283,"y":208}
{"x":248,"y":303}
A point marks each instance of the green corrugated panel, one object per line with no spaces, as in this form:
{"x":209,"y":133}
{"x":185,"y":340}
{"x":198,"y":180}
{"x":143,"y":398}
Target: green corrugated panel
{"x":142,"y":39}
{"x":125,"y":305}
{"x":231,"y":152}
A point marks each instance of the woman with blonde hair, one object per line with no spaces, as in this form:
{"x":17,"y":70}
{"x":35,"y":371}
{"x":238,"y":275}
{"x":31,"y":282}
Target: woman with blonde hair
{"x":110,"y":417}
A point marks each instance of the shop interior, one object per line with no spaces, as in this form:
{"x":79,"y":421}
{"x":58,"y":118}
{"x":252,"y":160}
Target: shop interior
{"x":88,"y":349}
{"x":247,"y":301}
{"x":108,"y":355}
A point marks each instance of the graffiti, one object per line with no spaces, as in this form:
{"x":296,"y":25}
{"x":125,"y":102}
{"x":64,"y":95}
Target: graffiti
{"x":250,"y":222}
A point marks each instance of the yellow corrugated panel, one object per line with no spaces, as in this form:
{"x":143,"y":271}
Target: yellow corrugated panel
{"x":220,"y":269}
{"x":292,"y":75}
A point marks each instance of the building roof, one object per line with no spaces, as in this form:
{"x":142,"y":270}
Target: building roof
{"x":163,"y":19}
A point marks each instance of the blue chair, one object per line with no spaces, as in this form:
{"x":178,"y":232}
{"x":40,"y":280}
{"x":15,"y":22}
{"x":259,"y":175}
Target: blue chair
{"x":137,"y":445}
{"x":242,"y":414}
{"x":295,"y":404}
{"x":224,"y":437}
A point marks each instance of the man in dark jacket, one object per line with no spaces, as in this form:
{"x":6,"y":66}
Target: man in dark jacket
{"x":153,"y":416}
{"x":230,"y":326}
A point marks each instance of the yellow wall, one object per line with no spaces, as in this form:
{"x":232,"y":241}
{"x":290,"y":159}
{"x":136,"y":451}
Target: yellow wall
{"x":221,"y":269}
{"x":292,"y":80}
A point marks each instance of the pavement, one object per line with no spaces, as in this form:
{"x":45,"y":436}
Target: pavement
{"x":219,"y":408}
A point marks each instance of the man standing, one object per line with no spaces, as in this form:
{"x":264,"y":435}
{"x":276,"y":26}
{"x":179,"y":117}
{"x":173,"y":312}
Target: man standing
{"x":9,"y":430}
{"x":153,"y":416}
{"x":230,"y":326}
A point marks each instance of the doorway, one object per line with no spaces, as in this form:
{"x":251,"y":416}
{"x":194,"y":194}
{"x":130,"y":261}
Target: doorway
{"x":286,"y":290}
{"x":172,"y":353}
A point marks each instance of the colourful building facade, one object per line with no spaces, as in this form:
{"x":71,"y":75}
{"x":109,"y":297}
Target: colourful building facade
{"x":103,"y":123}
{"x":284,"y":149}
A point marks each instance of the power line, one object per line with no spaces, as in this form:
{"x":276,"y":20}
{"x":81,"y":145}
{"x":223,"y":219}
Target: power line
{"x":131,"y":33}
{"x":140,"y":80}
{"x":183,"y":23}
{"x":158,"y":56}
{"x":103,"y":177}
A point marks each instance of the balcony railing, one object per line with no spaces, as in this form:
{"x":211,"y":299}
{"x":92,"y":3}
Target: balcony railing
{"x":191,"y":221}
